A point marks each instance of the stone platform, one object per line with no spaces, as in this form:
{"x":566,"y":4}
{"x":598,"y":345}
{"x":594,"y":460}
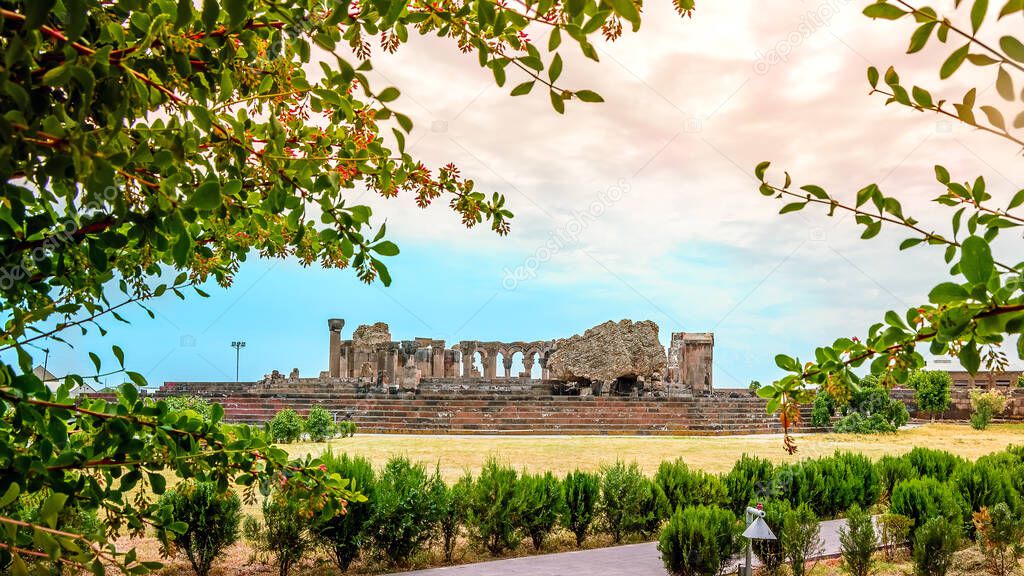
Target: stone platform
{"x":513,"y":406}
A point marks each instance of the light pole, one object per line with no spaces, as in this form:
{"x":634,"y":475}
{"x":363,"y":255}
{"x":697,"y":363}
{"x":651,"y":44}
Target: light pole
{"x":757,"y":529}
{"x":237,"y":345}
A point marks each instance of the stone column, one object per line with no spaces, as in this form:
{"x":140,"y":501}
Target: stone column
{"x":437,"y":359}
{"x":334,"y":357}
{"x":491,"y":364}
{"x":544,"y":374}
{"x":528,"y":365}
{"x":507,"y":361}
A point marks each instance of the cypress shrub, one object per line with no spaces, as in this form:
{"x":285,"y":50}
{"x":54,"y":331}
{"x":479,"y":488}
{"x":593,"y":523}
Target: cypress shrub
{"x":925,"y":498}
{"x":282,"y":533}
{"x":345,"y":535}
{"x":891,"y":470}
{"x":581,"y":491}
{"x":212,"y":518}
{"x":539,"y":505}
{"x":800,"y":538}
{"x":749,"y":481}
{"x":493,"y":507}
{"x":935,"y":543}
{"x":848,"y":479}
{"x":895,"y":533}
{"x":857,"y":541}
{"x":404,"y":511}
{"x":680,"y":487}
{"x":700,"y":541}
{"x":626,"y":504}
{"x":983,"y":484}
{"x":453,"y":512}
{"x":937,"y":464}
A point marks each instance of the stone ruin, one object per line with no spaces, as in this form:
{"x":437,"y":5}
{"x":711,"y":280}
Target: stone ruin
{"x":617,"y":358}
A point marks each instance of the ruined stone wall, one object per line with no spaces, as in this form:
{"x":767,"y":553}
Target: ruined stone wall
{"x":611,"y":357}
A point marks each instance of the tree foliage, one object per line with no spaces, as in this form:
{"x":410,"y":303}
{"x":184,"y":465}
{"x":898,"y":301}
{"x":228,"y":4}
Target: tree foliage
{"x":149,"y":148}
{"x":981,"y":307}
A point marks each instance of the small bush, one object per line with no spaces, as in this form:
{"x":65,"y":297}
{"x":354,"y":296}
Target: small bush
{"x":404,"y":512}
{"x":801,"y":538}
{"x":345,"y":535}
{"x":680,"y":487}
{"x":935,"y":543}
{"x":1000,"y":536}
{"x":748,"y":482}
{"x":871,"y":410}
{"x":212,"y":519}
{"x":891,"y":471}
{"x":453,"y":512}
{"x":937,"y":464}
{"x":345,"y":428}
{"x":200,"y":406}
{"x":699,"y":541}
{"x":286,"y":426}
{"x":493,"y":511}
{"x":895,"y":533}
{"x":926,"y":498}
{"x":857,"y":541}
{"x":986,"y":405}
{"x":626,"y":500}
{"x":823,"y":410}
{"x":931,"y":390}
{"x":319,"y":424}
{"x":581,"y":491}
{"x":282,"y":534}
{"x":539,"y":505}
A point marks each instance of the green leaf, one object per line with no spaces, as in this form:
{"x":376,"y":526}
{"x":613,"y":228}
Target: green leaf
{"x":10,"y":495}
{"x":978,"y":12}
{"x":922,"y":97}
{"x":238,"y":11}
{"x":1013,"y":47}
{"x":385,"y":248}
{"x":873,"y":76}
{"x":976,"y":260}
{"x":970,"y":357}
{"x":946,"y":293}
{"x":954,"y":61}
{"x":119,"y":354}
{"x":627,"y":10}
{"x":556,"y":102}
{"x":884,"y":11}
{"x":588,"y":96}
{"x":211,"y":12}
{"x":792,"y":207}
{"x":36,"y":12}
{"x":995,"y":117}
{"x":51,"y":507}
{"x":1017,"y":200}
{"x":523,"y":88}
{"x":388,"y":94}
{"x":555,"y":69}
{"x":920,"y":37}
{"x":1004,"y":85}
{"x":157,"y":482}
{"x":207,"y":196}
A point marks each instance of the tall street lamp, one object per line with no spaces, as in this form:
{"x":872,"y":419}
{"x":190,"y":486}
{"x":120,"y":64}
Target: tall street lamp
{"x":237,"y":345}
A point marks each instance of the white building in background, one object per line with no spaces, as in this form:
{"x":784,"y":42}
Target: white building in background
{"x":53,"y":383}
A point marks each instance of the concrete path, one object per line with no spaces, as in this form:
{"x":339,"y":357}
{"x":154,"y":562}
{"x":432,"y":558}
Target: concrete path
{"x":629,"y":560}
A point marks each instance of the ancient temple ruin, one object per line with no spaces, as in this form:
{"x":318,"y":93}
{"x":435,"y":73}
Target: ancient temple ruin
{"x":618,"y":358}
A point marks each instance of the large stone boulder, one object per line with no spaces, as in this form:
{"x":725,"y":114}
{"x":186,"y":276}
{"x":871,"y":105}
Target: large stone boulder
{"x":372,"y":335}
{"x":610,"y":351}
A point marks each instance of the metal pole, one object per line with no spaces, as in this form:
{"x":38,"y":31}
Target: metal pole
{"x":750,"y":547}
{"x":238,"y":353}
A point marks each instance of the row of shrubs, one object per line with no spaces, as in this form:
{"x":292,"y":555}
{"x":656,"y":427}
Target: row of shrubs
{"x":318,"y":426}
{"x":696,"y":513}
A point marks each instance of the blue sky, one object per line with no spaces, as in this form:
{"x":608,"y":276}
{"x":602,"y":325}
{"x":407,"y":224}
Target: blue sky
{"x":642,"y":207}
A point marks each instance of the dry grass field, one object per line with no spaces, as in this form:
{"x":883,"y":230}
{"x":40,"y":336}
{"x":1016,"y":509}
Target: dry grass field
{"x":561,"y":454}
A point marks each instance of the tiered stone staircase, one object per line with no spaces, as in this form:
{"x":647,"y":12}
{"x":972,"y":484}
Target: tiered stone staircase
{"x":494,"y":412}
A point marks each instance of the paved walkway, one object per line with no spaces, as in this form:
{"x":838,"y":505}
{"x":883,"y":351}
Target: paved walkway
{"x":629,"y":560}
